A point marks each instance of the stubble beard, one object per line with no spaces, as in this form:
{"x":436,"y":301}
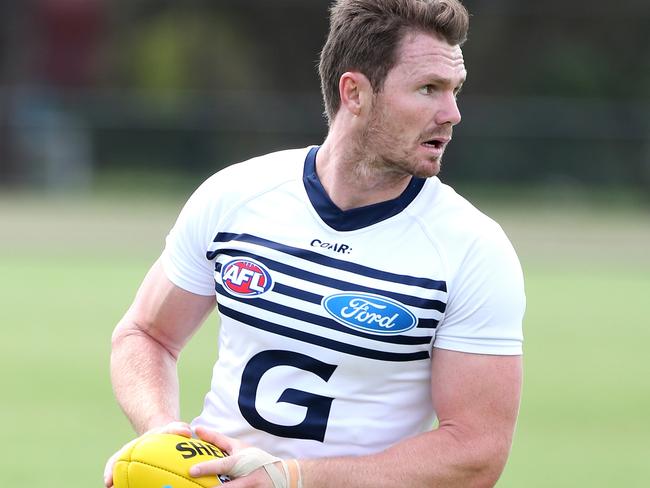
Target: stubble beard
{"x":381,"y":151}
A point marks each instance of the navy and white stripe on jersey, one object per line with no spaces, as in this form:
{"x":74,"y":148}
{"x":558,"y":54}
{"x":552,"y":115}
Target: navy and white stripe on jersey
{"x":302,"y":279}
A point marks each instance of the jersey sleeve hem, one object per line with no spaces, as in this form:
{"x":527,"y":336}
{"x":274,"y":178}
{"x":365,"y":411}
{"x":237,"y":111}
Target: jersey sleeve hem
{"x":176,"y":278}
{"x":502,"y":348}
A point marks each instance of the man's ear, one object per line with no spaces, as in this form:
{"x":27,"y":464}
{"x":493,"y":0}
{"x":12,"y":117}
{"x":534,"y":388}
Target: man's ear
{"x":355,"y":92}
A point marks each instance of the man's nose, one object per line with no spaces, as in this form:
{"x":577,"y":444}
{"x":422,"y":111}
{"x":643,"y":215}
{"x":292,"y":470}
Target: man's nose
{"x":448,"y":112}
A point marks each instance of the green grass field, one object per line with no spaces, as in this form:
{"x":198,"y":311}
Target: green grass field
{"x":69,"y":268}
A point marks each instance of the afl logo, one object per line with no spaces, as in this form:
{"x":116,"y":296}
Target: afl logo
{"x":246,"y":278}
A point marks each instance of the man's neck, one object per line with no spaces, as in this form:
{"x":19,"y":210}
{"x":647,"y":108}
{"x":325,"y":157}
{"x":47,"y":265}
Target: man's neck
{"x":351,"y":179}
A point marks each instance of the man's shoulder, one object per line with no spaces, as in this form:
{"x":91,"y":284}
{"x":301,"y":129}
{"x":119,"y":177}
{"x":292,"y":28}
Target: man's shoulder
{"x":245,"y":181}
{"x":455,"y":214}
{"x":254,"y":176}
{"x":273,"y":166}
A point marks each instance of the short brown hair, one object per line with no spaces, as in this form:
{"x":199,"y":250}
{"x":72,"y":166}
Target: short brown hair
{"x":364,"y":36}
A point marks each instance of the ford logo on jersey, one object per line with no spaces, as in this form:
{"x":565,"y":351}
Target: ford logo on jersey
{"x":370,"y":313}
{"x":246,"y":278}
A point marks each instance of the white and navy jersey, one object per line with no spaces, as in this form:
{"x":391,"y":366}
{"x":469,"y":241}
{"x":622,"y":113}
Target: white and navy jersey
{"x":328,"y":317}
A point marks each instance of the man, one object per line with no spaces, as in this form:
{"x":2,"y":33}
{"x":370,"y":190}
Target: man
{"x":359,"y":296}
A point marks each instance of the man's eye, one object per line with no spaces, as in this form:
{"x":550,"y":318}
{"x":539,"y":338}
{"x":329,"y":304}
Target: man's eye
{"x":427,"y":89}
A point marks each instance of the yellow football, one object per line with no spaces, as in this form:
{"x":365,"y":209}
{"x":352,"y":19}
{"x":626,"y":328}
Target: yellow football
{"x":164,"y":461}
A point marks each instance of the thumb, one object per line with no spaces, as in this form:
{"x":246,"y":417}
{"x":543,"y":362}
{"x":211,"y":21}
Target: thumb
{"x":178,"y":428}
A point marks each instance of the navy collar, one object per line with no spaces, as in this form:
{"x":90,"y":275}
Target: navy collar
{"x":355,"y":218}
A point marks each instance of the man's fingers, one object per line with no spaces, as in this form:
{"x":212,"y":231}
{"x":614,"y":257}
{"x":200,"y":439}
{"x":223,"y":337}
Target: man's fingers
{"x":214,"y":467}
{"x":178,"y":428}
{"x":108,"y":470}
{"x":223,"y":442}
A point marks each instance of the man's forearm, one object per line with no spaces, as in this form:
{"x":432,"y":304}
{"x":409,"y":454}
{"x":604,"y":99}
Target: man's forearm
{"x":144,"y":377}
{"x":433,"y":459}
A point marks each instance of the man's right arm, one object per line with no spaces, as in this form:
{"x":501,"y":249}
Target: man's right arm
{"x":145,"y":348}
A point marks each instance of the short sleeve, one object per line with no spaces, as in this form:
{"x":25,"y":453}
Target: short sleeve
{"x":184,"y":257}
{"x":486,"y":300}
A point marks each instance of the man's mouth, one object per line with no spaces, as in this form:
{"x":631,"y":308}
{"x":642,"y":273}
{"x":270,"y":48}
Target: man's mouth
{"x":437,"y":142}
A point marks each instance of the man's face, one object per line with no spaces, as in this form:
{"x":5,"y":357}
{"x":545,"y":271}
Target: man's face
{"x":411,"y":119}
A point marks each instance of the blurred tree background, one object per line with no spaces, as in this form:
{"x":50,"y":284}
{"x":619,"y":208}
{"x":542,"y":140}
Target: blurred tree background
{"x":558,"y":93}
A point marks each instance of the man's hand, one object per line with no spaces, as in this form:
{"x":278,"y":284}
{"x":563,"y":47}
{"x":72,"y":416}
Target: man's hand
{"x":246,"y":466}
{"x":179,"y":428}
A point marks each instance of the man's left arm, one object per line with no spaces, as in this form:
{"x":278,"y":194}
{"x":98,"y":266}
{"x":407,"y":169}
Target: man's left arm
{"x":476,"y":397}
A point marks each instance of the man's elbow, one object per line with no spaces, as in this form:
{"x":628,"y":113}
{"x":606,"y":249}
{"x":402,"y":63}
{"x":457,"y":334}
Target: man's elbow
{"x":131,"y":334}
{"x":481,"y":456}
{"x":125,"y":330}
{"x":485,"y":466}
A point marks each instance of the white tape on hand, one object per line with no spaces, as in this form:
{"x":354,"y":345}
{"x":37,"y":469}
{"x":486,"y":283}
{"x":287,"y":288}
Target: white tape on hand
{"x":281,"y":474}
{"x":250,"y":459}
